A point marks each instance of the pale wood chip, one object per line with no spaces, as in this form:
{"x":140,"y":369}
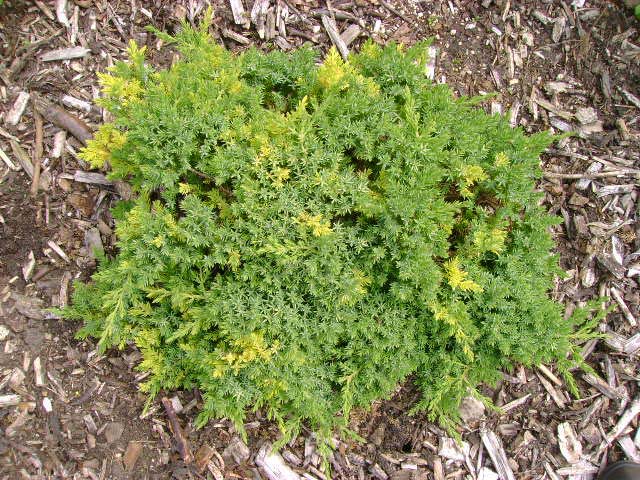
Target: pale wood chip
{"x":570,"y":446}
{"x":629,"y":448}
{"x":496,"y":452}
{"x":350,"y":34}
{"x":273,"y":466}
{"x":623,"y":306}
{"x":236,"y":37}
{"x":557,"y":398}
{"x":618,"y":394}
{"x":334,"y":35}
{"x":56,"y":248}
{"x":64,"y":54}
{"x":515,"y":403}
{"x":15,"y":113}
{"x":239,"y":14}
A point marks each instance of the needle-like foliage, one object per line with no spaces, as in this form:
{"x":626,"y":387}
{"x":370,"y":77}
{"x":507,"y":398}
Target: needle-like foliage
{"x":305,"y":237}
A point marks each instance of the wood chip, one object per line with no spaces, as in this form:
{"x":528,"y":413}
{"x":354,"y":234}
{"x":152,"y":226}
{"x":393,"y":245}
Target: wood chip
{"x":334,"y":35}
{"x":236,"y":37}
{"x":38,"y":372}
{"x":8,"y":162}
{"x":58,"y":144}
{"x":496,"y":452}
{"x":204,"y":454}
{"x":239,"y":14}
{"x":438,"y":470}
{"x":259,"y":16}
{"x":27,"y":166}
{"x":582,"y":468}
{"x":618,"y":394}
{"x":557,"y":398}
{"x":515,"y":403}
{"x":174,"y":424}
{"x":9,"y":400}
{"x":56,"y":248}
{"x":63,"y":119}
{"x":272,"y":465}
{"x":430,"y":67}
{"x":64,"y":54}
{"x":451,"y":450}
{"x":629,"y":448}
{"x":632,"y":345}
{"x":350,"y":34}
{"x":73,"y":102}
{"x":61,"y":12}
{"x":134,"y":449}
{"x":29,"y":266}
{"x":623,"y":422}
{"x":570,"y":446}
{"x":15,"y":113}
{"x":623,"y":306}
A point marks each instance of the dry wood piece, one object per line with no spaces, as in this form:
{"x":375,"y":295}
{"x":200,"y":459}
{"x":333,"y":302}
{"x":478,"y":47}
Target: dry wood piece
{"x":27,"y":166}
{"x":37,"y":153}
{"x":134,"y":449}
{"x":9,"y":400}
{"x":63,"y":119}
{"x":334,"y":35}
{"x":549,"y":374}
{"x":64,"y":54}
{"x":623,"y":422}
{"x":174,"y":424}
{"x":56,"y":248}
{"x":259,"y":16}
{"x":38,"y":372}
{"x":350,"y":34}
{"x":570,"y":446}
{"x":613,"y":393}
{"x":494,"y":447}
{"x":236,"y":37}
{"x":581,"y":468}
{"x":87,"y":177}
{"x":58,"y":144}
{"x":15,"y":114}
{"x":552,"y":108}
{"x":61,"y":12}
{"x":272,"y":465}
{"x":438,"y":471}
{"x":239,"y":15}
{"x":8,"y":162}
{"x":623,"y":306}
{"x":73,"y":102}
{"x":430,"y":68}
{"x":27,"y":268}
{"x":616,"y":189}
{"x":450,"y":449}
{"x":632,"y":345}
{"x":204,"y":454}
{"x":557,"y":398}
{"x":629,"y":448}
{"x":515,"y":403}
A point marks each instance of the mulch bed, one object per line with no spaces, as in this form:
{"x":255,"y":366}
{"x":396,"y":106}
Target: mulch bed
{"x":68,"y":412}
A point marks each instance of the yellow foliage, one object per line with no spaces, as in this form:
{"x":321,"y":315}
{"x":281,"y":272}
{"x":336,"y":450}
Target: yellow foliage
{"x":319,"y":227}
{"x":501,"y":160}
{"x":98,"y":150}
{"x":332,"y":71}
{"x":244,"y":351}
{"x":120,"y":88}
{"x":491,"y":241}
{"x":471,"y":174}
{"x":457,"y":278}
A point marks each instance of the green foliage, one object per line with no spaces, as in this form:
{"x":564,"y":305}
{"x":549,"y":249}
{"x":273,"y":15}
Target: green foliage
{"x":305,"y":237}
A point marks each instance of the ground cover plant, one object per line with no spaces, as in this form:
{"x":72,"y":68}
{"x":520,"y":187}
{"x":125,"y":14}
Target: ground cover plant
{"x":304,"y":237}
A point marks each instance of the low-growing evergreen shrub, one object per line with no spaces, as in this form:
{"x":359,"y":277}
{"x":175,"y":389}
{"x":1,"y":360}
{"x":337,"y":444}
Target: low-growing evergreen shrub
{"x":304,"y":237}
